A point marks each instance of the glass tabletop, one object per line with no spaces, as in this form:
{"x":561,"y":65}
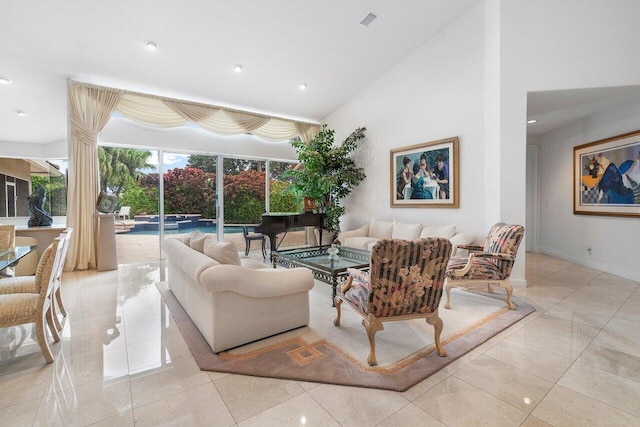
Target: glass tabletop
{"x":9,"y":256}
{"x":320,"y":259}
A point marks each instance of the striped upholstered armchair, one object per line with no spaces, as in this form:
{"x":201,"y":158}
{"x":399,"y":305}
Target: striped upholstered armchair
{"x":490,"y":263}
{"x":405,"y":281}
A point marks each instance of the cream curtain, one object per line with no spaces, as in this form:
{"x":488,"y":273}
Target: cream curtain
{"x":307,"y":131}
{"x":90,"y":110}
{"x":223,"y":121}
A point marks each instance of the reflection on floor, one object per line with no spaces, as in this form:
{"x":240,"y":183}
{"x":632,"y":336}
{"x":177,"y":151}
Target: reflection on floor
{"x":122,"y":360}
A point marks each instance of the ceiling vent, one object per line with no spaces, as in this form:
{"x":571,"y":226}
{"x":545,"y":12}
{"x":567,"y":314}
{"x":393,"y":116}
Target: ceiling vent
{"x":367,"y":20}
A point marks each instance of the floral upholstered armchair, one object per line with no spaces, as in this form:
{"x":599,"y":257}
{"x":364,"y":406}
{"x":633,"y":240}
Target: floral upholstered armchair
{"x":490,"y":263}
{"x":405,"y":282}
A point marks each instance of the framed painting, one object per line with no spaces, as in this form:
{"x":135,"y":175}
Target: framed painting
{"x":425,"y":175}
{"x":607,"y":176}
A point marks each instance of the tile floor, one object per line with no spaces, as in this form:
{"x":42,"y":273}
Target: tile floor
{"x":122,"y":361}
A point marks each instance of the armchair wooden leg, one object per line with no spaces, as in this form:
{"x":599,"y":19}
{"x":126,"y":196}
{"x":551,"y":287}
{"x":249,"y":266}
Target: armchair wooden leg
{"x":436,"y":322}
{"x":489,"y":290}
{"x":59,"y":300}
{"x":52,"y":324}
{"x":42,"y":338}
{"x":372,"y":328}
{"x":337,"y":301}
{"x":447,"y":288}
{"x":509,"y":290}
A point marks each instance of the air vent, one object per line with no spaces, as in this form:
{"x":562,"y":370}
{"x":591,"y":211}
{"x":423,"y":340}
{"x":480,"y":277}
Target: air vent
{"x":367,"y":20}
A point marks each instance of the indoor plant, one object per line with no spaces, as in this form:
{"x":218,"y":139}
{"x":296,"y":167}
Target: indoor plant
{"x":327,"y":173}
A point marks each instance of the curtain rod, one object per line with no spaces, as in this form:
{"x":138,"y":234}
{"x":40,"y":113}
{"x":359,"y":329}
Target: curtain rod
{"x":201,"y":104}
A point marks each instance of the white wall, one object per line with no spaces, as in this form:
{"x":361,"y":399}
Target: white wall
{"x":614,"y":241}
{"x":435,"y":93}
{"x":459,"y":84}
{"x":553,"y":45}
{"x":52,"y":150}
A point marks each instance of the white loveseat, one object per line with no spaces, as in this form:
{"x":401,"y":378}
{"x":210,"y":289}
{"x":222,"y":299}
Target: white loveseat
{"x":237,"y":302}
{"x":369,"y":234}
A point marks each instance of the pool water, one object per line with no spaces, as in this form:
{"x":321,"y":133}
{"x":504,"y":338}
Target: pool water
{"x":209,"y":230}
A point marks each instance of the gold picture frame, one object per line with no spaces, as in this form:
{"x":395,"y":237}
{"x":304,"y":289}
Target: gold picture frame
{"x":425,"y":175}
{"x":606,"y":176}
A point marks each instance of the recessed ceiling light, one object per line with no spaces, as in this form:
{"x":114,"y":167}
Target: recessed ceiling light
{"x":302,"y":86}
{"x":22,"y":113}
{"x":238,"y":68}
{"x":532,"y":121}
{"x":367,"y":20}
{"x":5,"y":81}
{"x":151,"y":45}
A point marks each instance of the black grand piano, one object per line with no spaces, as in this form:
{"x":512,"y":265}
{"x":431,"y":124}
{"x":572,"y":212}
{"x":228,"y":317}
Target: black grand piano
{"x":273,"y":224}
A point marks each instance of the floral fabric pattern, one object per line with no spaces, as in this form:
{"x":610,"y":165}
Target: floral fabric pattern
{"x":503,"y":241}
{"x":406,"y":277}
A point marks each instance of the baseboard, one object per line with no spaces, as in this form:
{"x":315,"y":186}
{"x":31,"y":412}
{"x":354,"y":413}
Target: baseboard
{"x":604,"y":267}
{"x":518,"y":283}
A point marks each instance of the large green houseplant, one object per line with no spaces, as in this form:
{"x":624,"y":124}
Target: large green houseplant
{"x":328,"y":173}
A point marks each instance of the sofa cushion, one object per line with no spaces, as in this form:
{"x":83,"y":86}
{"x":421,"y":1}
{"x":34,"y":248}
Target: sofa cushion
{"x":405,"y":231}
{"x":197,"y":242}
{"x":223,"y":252}
{"x":186,"y":239}
{"x":446,"y":231}
{"x":360,"y":242}
{"x":380,"y":229}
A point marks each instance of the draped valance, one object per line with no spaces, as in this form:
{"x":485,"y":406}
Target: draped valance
{"x":222,"y":121}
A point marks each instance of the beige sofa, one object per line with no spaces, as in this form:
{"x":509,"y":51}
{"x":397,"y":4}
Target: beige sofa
{"x":367,"y":235}
{"x":237,"y":301}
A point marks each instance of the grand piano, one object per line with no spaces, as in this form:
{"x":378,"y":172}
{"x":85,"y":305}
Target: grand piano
{"x":273,"y":224}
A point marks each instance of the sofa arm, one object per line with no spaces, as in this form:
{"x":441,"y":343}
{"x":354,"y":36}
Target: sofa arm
{"x":358,"y":232}
{"x":190,"y":261}
{"x":261,"y":283}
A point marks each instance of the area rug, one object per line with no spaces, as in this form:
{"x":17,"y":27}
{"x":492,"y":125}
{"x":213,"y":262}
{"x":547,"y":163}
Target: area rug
{"x":322,"y":352}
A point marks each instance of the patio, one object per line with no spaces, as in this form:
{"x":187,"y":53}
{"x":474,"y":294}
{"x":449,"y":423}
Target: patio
{"x":136,"y":247}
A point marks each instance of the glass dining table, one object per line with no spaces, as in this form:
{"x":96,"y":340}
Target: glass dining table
{"x":9,"y":257}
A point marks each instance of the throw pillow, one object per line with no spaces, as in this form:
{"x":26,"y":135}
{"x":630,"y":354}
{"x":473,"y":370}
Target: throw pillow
{"x":446,"y":231}
{"x":197,"y":242}
{"x":223,"y":252}
{"x":380,"y":229}
{"x":405,"y":231}
{"x":187,"y":237}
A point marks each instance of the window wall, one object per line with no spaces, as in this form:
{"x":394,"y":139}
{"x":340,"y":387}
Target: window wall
{"x":20,"y":177}
{"x":187,"y":190}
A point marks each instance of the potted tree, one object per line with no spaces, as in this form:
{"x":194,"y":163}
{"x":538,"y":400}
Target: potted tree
{"x":328,"y":173}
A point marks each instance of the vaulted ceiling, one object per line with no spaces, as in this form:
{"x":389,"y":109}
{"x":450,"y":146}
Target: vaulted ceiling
{"x":280,"y":44}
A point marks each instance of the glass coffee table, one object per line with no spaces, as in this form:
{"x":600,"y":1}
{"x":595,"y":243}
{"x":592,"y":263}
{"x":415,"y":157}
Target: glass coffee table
{"x":331,"y":269}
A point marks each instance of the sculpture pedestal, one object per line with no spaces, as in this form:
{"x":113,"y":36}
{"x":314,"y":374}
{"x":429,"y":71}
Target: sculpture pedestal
{"x":106,"y":255}
{"x":44,"y":235}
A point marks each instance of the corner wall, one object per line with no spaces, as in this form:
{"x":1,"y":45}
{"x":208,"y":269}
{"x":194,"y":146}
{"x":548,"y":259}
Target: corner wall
{"x":437,"y":92}
{"x":552,"y":45}
{"x":614,"y":241}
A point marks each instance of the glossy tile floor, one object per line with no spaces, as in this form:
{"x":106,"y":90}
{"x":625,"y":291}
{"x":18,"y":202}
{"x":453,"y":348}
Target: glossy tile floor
{"x":122,"y":361}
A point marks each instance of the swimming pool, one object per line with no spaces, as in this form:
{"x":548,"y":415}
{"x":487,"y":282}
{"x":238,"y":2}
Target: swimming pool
{"x":209,"y":229}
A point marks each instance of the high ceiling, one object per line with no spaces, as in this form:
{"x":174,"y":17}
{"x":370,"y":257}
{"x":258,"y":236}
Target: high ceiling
{"x":557,"y":108}
{"x":280,"y":44}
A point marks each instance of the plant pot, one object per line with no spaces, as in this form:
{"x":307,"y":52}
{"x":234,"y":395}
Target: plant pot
{"x":309,"y":205}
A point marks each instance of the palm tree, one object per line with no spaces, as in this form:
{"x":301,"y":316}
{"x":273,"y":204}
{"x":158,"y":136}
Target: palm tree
{"x":121,"y":165}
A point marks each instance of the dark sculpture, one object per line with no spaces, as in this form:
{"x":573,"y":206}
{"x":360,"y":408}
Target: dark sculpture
{"x":35,"y":202}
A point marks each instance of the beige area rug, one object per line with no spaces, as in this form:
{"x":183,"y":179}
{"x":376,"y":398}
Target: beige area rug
{"x":322,"y":352}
